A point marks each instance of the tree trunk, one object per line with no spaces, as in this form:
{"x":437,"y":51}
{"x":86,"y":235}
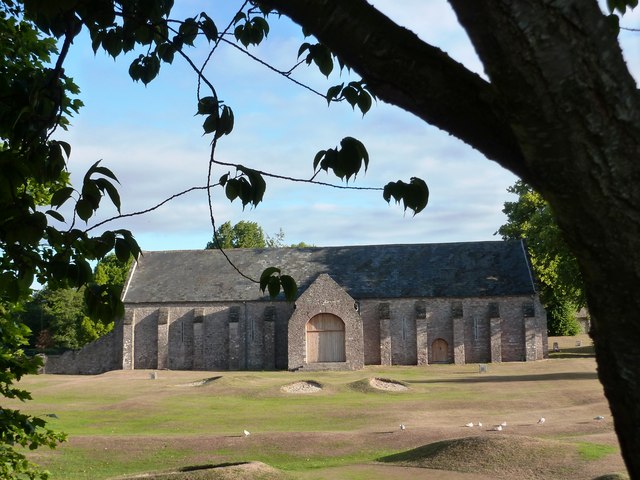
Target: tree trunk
{"x":561,"y":111}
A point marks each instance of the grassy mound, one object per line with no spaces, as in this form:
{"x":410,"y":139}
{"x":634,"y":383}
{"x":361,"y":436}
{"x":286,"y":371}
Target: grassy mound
{"x":499,"y":456}
{"x":371,"y":385}
{"x":231,"y":471}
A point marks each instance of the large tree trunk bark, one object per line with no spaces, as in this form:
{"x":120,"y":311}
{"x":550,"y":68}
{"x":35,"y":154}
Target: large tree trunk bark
{"x":561,"y":111}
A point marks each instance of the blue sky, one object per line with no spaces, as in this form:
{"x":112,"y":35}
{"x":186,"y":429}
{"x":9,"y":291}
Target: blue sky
{"x":149,"y":137}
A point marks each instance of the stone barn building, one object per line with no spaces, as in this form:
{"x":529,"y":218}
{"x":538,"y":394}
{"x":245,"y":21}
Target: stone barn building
{"x":358,"y":305}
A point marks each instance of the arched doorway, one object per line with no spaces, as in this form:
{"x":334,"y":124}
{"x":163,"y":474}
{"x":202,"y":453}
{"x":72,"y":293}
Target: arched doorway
{"x":439,"y":351}
{"x":325,"y":339}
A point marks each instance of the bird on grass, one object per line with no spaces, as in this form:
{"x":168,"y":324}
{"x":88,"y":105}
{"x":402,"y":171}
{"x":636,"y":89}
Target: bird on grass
{"x":503,"y":424}
{"x":479,"y":424}
{"x":599,"y":417}
{"x":498,"y":428}
{"x":402,"y":426}
{"x":470,"y":424}
{"x":246,"y":433}
{"x":541,"y":421}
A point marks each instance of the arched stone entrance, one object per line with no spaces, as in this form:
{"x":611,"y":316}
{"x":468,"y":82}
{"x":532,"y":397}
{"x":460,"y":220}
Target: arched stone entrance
{"x":325,"y":339}
{"x":440,"y":351}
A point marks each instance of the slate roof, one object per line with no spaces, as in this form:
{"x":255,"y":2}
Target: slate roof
{"x":471,"y":269}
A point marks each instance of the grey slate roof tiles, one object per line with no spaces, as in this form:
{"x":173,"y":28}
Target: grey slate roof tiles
{"x":470,"y":269}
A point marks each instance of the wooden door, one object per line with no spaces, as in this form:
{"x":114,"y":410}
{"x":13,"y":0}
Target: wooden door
{"x":325,"y":339}
{"x":439,"y":351}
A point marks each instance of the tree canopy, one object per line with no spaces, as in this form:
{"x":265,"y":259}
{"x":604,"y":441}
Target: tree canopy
{"x":558,"y":107}
{"x":246,"y":234}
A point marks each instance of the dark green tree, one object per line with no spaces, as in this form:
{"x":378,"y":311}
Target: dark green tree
{"x":554,"y":265}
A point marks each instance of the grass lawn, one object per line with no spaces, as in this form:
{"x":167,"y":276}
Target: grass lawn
{"x":124,"y":422}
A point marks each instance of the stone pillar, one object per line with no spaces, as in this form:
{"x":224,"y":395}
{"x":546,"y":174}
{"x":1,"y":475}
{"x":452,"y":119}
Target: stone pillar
{"x":385,"y":334}
{"x":496,"y":339}
{"x":163,"y":337}
{"x":530,"y":339}
{"x":198,"y":339}
{"x":234,"y":338}
{"x":269,"y":338}
{"x":128,"y":338}
{"x":422,"y":341}
{"x":458,"y":341}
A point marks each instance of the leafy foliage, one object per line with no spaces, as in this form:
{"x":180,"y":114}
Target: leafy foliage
{"x":346,"y":161}
{"x":241,"y":235}
{"x":414,"y":195}
{"x":16,"y":428}
{"x":555,"y":267}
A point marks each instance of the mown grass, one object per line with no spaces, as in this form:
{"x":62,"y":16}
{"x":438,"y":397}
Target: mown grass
{"x":594,"y":451}
{"x":124,"y":422}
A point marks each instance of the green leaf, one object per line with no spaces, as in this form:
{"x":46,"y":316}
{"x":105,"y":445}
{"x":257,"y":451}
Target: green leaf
{"x":289,"y":287}
{"x":333,"y":92}
{"x":84,"y":209}
{"x":273,"y":286}
{"x":111,"y":190}
{"x":208,"y":27}
{"x":207,"y":105}
{"x":61,"y":196}
{"x":364,"y":102}
{"x":56,"y":215}
{"x":266,"y":274}
{"x":210,"y":123}
{"x":414,"y":195}
{"x":188,"y":31}
{"x":226,"y":121}
{"x":166,"y":52}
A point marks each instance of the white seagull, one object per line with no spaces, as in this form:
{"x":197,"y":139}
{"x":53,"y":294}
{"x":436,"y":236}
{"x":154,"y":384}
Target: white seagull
{"x":479,"y":424}
{"x":498,"y":428}
{"x":470,"y":424}
{"x":246,"y":433}
{"x":541,"y":421}
{"x":599,"y":417}
{"x":503,"y":424}
{"x":402,"y":426}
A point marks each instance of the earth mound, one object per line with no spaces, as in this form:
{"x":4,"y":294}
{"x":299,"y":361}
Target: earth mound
{"x":229,"y":471}
{"x":375,"y":384}
{"x":498,"y":456}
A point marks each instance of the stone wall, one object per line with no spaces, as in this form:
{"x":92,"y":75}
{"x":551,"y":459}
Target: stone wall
{"x":97,"y":357}
{"x":244,"y":336}
{"x":326,"y":296}
{"x":271,"y":335}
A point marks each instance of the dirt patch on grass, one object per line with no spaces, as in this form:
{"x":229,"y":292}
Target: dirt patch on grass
{"x":387,"y":384}
{"x":302,"y":387}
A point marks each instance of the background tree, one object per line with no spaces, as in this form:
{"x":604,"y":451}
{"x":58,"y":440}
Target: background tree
{"x":241,"y":235}
{"x":554,"y":265}
{"x":248,"y":235}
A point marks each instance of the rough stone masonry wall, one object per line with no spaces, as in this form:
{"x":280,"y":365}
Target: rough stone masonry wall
{"x":477,"y":330}
{"x":97,"y":357}
{"x":243,"y":336}
{"x":326,"y":296}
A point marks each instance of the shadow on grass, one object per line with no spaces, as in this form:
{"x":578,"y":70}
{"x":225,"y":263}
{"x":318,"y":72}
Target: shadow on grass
{"x":484,"y":378}
{"x":193,"y":468}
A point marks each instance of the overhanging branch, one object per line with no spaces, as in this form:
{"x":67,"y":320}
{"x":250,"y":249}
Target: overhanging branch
{"x":404,"y":71}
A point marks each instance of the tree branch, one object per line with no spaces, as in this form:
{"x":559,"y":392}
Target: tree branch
{"x":436,"y":88}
